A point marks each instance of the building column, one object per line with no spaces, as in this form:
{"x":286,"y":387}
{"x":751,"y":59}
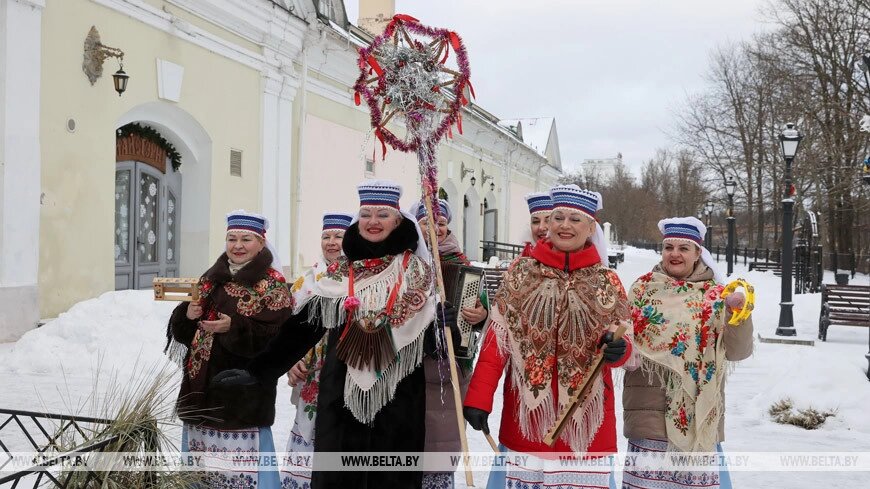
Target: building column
{"x":20,"y":187}
{"x":506,"y":199}
{"x":279,"y":89}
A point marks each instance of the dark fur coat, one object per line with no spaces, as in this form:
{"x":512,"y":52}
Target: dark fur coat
{"x":258,"y":303}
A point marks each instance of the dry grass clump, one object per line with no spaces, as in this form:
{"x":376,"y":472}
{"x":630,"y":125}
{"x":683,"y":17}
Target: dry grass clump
{"x":141,"y":410}
{"x":783,"y":412}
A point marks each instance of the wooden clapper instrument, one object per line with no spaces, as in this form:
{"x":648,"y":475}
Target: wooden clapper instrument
{"x":580,"y":396}
{"x":176,"y":289}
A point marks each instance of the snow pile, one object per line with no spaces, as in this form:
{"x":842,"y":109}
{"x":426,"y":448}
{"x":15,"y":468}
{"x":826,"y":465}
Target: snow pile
{"x":115,"y":331}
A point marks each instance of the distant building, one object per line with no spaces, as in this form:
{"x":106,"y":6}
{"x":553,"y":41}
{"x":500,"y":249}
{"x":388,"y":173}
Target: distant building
{"x":601,"y":168}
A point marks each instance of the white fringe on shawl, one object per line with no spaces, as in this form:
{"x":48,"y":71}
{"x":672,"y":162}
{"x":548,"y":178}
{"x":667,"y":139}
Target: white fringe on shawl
{"x":367,"y":391}
{"x":535,"y":421}
{"x":365,"y":404}
{"x":672,"y":383}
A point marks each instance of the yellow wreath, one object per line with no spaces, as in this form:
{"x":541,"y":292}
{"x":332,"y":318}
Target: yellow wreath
{"x":748,"y":305}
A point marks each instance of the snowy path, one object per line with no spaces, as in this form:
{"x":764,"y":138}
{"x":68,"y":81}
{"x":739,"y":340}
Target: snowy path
{"x":52,"y":368}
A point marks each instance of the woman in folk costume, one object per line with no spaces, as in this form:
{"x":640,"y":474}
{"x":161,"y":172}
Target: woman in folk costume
{"x":304,"y":377}
{"x":375,"y":307}
{"x":675,"y":400}
{"x":540,"y":207}
{"x":552,"y":313}
{"x":442,"y":433}
{"x":244,"y":301}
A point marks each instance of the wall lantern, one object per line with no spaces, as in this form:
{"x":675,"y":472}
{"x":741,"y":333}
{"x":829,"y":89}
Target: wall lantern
{"x":465,"y":171}
{"x":95,"y":54}
{"x":484,"y":178}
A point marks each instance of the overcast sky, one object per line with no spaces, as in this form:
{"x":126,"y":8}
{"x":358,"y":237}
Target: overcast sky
{"x":610,"y":71}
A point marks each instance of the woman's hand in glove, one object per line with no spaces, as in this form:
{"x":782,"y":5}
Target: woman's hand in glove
{"x":233,"y":377}
{"x":613,"y":349}
{"x":477,"y":418}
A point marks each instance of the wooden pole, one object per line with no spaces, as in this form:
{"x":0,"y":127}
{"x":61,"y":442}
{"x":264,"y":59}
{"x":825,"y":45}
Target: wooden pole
{"x":433,"y":242}
{"x":492,"y":443}
{"x":451,"y":355}
{"x":578,"y":398}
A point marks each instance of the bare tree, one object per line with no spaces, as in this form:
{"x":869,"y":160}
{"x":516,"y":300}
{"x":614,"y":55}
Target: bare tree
{"x":805,"y":71}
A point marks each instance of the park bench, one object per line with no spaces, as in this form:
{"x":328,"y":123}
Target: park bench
{"x":844,"y":305}
{"x":766,"y":266}
{"x":615,"y":258}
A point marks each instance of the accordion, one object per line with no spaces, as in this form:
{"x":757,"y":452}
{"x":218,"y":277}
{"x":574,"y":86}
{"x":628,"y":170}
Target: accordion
{"x":463,"y":285}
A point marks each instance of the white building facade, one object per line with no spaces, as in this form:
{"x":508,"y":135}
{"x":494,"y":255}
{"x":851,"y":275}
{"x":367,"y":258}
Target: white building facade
{"x":254,"y":97}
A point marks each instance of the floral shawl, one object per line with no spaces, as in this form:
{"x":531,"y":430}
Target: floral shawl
{"x":548,"y":321}
{"x":261,"y":301}
{"x":678,"y":333}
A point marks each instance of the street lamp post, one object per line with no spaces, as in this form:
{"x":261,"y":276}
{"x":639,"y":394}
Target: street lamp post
{"x":708,"y":238}
{"x":865,"y":175}
{"x":790,"y":139}
{"x":730,"y":188}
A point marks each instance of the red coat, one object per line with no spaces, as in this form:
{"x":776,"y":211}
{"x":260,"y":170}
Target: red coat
{"x":488,"y":371}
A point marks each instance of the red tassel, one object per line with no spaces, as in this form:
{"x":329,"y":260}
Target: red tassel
{"x":450,"y":132}
{"x":446,"y":53}
{"x":375,"y":66}
{"x":459,"y":122}
{"x":380,"y":136}
{"x":454,"y":40}
{"x":471,"y":89}
{"x":356,"y":98}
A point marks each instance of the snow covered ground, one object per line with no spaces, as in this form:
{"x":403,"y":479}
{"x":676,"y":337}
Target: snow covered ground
{"x":122,"y":333}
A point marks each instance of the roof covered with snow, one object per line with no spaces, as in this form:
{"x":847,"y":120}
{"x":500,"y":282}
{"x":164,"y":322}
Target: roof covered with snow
{"x":534,"y":132}
{"x":538,"y":133}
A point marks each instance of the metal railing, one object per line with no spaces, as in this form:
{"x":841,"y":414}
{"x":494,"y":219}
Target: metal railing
{"x":853,"y":262}
{"x":36,"y":429}
{"x":504,"y":251}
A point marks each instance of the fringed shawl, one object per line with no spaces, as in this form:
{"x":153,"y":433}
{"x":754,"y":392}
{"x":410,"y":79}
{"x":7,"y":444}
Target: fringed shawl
{"x":678,"y":333}
{"x":550,"y":322}
{"x":324,"y":290}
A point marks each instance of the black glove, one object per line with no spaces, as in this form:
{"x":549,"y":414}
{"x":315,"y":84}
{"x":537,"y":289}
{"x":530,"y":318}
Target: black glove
{"x":477,"y":418}
{"x":613,"y":349}
{"x":446,"y":314}
{"x":429,"y":338}
{"x":227,"y":378}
